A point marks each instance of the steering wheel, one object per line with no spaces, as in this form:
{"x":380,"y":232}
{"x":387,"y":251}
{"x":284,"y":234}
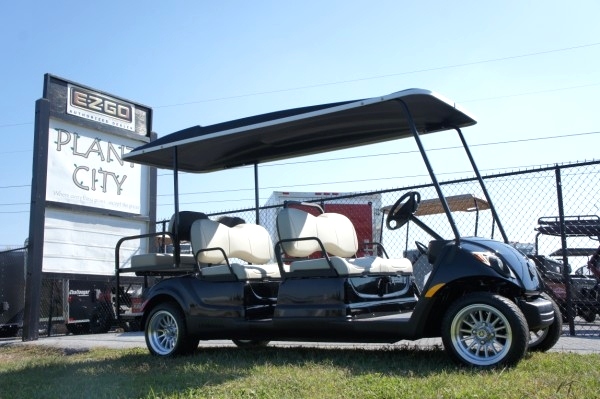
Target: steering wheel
{"x":421,"y":247}
{"x":402,"y":210}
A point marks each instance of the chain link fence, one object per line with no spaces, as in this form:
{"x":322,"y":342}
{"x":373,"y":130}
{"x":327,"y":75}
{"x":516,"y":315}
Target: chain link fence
{"x":526,"y":202}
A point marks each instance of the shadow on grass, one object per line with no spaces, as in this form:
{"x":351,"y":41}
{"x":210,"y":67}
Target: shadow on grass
{"x":50,"y":372}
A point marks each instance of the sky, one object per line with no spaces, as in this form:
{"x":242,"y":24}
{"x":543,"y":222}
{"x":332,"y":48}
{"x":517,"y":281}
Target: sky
{"x":527,"y":71}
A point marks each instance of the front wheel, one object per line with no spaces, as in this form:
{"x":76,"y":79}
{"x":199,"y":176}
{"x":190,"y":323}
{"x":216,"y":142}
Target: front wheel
{"x":166,"y":332}
{"x":485,"y":330}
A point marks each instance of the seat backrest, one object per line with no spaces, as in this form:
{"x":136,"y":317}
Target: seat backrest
{"x":251,"y":243}
{"x":335,"y":231}
{"x":186,"y":219}
{"x":248,"y":242}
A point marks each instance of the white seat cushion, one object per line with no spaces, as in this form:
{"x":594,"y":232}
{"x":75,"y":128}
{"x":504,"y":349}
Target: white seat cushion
{"x":339,"y":239}
{"x":243,"y":272}
{"x":251,"y":243}
{"x":375,"y":264}
{"x":341,"y":266}
{"x":335,"y":231}
{"x":214,"y":242}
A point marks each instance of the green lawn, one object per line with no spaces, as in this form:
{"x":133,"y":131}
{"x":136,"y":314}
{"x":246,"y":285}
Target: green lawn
{"x":31,"y":371}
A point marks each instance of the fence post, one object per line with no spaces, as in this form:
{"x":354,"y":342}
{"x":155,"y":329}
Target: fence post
{"x":565,"y":259}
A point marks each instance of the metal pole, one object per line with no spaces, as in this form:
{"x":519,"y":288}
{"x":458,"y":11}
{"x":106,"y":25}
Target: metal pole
{"x":49,"y":329}
{"x":482,"y":184}
{"x":256,"y":204}
{"x":563,"y":241}
{"x":175,"y":231}
{"x":436,"y":184}
{"x":37,"y":216}
{"x":476,"y":216}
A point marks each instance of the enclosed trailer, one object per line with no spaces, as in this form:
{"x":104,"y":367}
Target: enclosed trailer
{"x":12,"y":292}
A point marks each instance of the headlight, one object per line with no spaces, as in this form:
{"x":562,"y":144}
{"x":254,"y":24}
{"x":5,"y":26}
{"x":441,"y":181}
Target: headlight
{"x":493,"y":261}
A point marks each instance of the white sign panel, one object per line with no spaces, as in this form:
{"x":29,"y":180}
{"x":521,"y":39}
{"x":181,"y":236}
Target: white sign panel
{"x":85,"y":167}
{"x":84,"y":243}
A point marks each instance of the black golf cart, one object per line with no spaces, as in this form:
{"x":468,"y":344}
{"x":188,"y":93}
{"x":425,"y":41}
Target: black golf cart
{"x":482,"y":297}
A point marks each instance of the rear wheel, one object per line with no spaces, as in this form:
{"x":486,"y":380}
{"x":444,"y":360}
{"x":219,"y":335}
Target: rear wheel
{"x":100,"y":320}
{"x":166,"y":332}
{"x":485,"y":330}
{"x":545,"y":338}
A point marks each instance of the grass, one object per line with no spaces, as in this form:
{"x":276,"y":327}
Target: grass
{"x":32,"y":371}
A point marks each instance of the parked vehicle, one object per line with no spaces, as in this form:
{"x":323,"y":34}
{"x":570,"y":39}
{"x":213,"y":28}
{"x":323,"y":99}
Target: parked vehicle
{"x":583,"y":271}
{"x":92,"y":307}
{"x":584,"y":297}
{"x":482,"y":297}
{"x":12,"y":298}
{"x":593,"y":264}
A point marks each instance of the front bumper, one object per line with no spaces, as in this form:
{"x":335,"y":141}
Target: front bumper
{"x":538,"y":312}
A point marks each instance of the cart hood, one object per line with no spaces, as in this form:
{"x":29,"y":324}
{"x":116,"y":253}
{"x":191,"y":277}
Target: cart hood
{"x":301,"y":131}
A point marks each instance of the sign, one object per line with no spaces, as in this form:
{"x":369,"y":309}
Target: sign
{"x":85,"y":196}
{"x":86,"y":168}
{"x":100,"y":108}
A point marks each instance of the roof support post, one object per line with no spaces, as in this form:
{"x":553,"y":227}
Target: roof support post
{"x":436,"y":184}
{"x":175,"y":232}
{"x":482,"y":184}
{"x":256,"y":199}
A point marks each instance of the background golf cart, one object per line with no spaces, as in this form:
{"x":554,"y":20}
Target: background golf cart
{"x":575,"y":293}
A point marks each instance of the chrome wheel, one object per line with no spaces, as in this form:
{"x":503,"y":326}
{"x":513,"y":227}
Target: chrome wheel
{"x":163,"y":333}
{"x":481,"y":334}
{"x":485,"y":330}
{"x":535,"y":337}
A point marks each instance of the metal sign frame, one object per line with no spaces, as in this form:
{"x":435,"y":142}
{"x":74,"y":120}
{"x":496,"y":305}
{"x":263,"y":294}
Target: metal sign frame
{"x":72,"y":104}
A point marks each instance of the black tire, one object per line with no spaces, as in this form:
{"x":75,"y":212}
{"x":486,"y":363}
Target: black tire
{"x":485,"y":330}
{"x":546,"y":338}
{"x":9,"y":332}
{"x":588,"y":315}
{"x":78,"y":328}
{"x":100,"y":322}
{"x":250,"y":343}
{"x":166,"y":332}
{"x":133,"y":325}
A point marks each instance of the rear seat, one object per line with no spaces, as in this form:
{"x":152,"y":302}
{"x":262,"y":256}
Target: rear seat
{"x":165,"y":262}
{"x":214,"y":244}
{"x":298,"y":233}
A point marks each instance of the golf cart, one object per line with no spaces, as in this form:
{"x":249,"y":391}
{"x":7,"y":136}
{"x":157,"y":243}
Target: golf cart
{"x":482,"y":297}
{"x":583,"y":297}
